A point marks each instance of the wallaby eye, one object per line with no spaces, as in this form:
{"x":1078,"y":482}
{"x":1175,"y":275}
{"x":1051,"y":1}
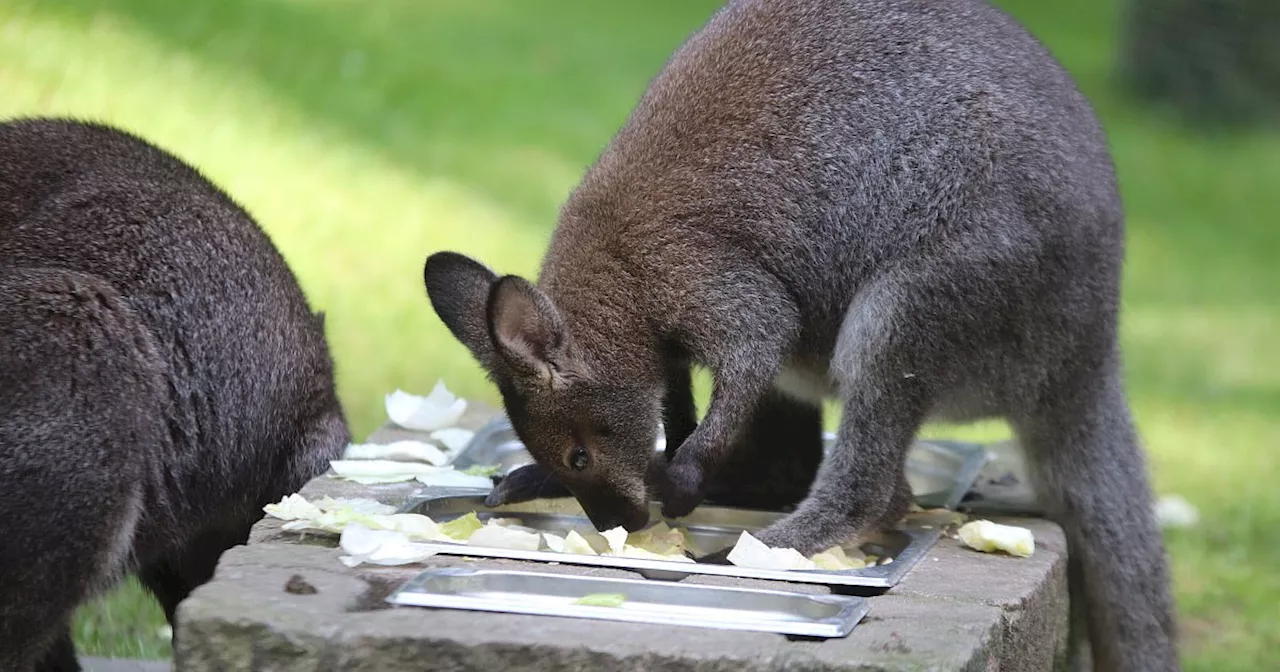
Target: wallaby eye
{"x":578,"y":458}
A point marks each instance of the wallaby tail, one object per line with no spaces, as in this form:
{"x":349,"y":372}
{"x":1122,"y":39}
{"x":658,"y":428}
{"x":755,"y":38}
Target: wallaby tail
{"x":1091,"y":476}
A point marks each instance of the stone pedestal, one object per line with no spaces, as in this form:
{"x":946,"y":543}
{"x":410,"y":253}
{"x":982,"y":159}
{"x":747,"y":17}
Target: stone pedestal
{"x":956,"y":610}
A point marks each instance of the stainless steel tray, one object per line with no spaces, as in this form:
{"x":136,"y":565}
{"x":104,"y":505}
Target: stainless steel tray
{"x":712,"y":528}
{"x":940,"y":472}
{"x":646,"y":601}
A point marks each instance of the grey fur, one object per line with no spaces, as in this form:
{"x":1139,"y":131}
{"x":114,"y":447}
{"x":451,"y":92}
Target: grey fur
{"x":161,"y":378}
{"x":905,"y":204}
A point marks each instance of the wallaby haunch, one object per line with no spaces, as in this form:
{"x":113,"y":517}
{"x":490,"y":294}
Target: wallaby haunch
{"x":903,"y":204}
{"x":161,"y":378}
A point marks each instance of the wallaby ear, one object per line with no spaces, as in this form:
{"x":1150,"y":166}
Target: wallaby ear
{"x":529,"y":333}
{"x":459,"y":288}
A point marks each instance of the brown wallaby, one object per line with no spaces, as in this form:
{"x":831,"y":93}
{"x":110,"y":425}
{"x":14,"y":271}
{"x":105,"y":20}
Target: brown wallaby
{"x":161,"y":378}
{"x":903,"y":204}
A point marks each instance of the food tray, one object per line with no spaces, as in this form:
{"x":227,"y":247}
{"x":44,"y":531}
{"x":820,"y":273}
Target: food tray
{"x":663,"y":603}
{"x":940,"y":472}
{"x":712,"y":528}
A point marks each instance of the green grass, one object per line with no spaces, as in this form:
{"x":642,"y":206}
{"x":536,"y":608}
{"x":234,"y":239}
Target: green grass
{"x":365,"y":135}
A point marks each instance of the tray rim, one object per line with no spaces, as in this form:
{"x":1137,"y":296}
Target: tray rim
{"x":852,"y":608}
{"x":920,"y":540}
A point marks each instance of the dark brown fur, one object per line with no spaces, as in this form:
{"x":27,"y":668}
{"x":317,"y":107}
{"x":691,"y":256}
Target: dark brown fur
{"x":903,"y":204}
{"x":161,"y":378}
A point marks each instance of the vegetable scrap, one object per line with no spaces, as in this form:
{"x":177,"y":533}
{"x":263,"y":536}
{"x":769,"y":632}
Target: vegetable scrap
{"x":399,"y":451}
{"x":602,"y":600}
{"x":382,"y":536}
{"x":989,"y":537}
{"x":753,"y":553}
{"x":439,"y":409}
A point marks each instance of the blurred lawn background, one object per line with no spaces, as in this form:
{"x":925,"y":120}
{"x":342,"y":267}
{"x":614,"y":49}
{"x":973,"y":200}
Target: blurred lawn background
{"x":365,"y":135}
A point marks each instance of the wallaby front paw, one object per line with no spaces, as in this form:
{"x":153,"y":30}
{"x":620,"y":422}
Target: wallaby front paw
{"x":532,"y":481}
{"x":720,"y":557}
{"x":806,"y":535}
{"x":682,"y":489}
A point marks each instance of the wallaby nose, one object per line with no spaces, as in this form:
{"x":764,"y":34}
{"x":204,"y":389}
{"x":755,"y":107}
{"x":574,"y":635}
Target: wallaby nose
{"x":607,"y":522}
{"x":636,"y":520}
{"x":632,"y":520}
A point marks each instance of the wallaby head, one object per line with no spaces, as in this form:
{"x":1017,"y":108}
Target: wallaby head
{"x":591,"y":428}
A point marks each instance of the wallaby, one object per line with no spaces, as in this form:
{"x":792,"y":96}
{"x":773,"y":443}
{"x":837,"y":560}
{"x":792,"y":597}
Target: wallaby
{"x":161,"y":378}
{"x":906,"y":205}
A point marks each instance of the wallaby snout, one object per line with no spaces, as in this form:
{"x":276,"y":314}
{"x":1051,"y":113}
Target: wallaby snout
{"x":607,"y":511}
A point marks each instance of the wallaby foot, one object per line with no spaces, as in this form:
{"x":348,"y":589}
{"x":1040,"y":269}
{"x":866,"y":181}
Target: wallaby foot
{"x":898,"y":506}
{"x":1091,"y":475}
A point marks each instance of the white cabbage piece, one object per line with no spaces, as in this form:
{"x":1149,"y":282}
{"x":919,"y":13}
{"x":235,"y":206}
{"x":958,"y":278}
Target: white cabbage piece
{"x":553,"y":542}
{"x":379,"y":471}
{"x":498,"y":536}
{"x":292,"y":507}
{"x":439,"y":409}
{"x":369,"y":472}
{"x":836,"y":559}
{"x":355,"y":504}
{"x":380,"y":547}
{"x":454,"y":439}
{"x":332,"y":515}
{"x":417,"y":527}
{"x":659,"y":544}
{"x":662,"y":540}
{"x":462,"y":527}
{"x":616,"y":537}
{"x":989,"y":537}
{"x":576,"y":543}
{"x":753,"y":553}
{"x":398,"y":451}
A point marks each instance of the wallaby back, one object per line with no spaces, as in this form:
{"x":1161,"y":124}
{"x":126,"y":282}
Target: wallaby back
{"x":161,"y":375}
{"x":903,"y":204}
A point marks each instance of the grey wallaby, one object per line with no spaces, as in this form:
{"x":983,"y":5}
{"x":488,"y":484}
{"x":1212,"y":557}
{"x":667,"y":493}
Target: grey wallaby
{"x":906,"y":205}
{"x":161,"y":378}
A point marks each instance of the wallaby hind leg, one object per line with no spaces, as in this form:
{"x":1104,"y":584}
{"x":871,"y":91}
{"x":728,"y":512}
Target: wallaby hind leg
{"x":78,"y":405}
{"x":893,"y":354}
{"x":171,"y":579}
{"x":61,"y":656}
{"x":1091,"y":476}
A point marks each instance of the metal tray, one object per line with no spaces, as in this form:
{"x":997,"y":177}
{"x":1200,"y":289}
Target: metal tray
{"x":657,"y":602}
{"x":712,"y":528}
{"x":940,"y":472}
